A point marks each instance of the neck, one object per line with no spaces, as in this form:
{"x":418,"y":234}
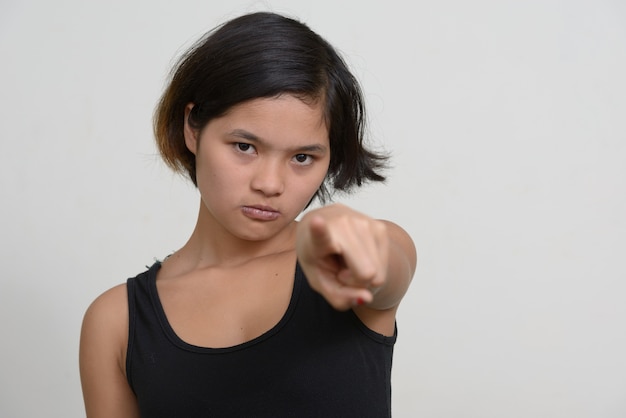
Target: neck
{"x":211,"y":245}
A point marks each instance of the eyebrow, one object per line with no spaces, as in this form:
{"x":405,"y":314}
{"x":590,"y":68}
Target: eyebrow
{"x":249,"y":136}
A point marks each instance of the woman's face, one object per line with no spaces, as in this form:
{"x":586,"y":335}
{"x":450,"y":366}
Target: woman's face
{"x":259,"y":165}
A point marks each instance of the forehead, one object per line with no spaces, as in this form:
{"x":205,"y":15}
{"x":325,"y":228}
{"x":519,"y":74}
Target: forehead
{"x":283,"y":118}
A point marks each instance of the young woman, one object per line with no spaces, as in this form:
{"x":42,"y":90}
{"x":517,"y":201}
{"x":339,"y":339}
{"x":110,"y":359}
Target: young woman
{"x":258,"y":315}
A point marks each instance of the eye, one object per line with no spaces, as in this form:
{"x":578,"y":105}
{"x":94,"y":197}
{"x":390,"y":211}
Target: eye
{"x":303,"y":159}
{"x":244,"y":147}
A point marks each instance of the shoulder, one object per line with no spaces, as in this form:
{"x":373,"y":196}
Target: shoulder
{"x":102,"y":357}
{"x":106,"y":320}
{"x":109,"y":306}
{"x":105,"y":323}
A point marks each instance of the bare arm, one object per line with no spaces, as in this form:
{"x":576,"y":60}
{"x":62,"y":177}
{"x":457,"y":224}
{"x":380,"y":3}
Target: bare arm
{"x":355,"y":261}
{"x":103,"y":341}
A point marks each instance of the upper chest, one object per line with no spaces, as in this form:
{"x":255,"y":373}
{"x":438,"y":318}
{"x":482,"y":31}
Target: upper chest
{"x":224,"y":307}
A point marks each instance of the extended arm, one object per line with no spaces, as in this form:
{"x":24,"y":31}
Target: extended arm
{"x":354,"y":260}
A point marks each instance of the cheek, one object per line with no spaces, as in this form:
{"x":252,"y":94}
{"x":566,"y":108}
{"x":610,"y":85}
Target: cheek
{"x":212,"y":174}
{"x":312,"y":182}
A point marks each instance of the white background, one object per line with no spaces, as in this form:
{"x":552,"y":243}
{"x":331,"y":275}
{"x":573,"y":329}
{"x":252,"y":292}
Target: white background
{"x":507,"y":122}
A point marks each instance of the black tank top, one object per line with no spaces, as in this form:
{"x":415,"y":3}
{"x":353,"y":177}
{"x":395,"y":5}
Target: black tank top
{"x":315,"y":362}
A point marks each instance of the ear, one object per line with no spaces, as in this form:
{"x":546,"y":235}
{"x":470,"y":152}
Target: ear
{"x":191,"y":134}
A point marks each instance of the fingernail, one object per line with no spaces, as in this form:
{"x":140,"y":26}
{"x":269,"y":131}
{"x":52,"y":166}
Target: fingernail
{"x":360,"y":301}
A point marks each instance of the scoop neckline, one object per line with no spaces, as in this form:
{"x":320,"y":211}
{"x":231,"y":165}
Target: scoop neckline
{"x":180,"y":343}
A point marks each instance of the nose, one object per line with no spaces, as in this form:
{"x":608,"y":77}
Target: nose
{"x":269,"y":178}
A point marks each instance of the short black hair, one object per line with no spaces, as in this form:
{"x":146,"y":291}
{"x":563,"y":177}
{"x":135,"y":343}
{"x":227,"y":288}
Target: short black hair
{"x":264,"y":55}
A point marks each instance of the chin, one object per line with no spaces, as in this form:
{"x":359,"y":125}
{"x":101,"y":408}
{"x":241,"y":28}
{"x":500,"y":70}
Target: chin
{"x":260,"y":232}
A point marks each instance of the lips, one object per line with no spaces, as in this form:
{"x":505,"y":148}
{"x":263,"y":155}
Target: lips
{"x":260,"y":213}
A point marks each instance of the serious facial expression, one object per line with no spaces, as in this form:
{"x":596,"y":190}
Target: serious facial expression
{"x":259,"y":165}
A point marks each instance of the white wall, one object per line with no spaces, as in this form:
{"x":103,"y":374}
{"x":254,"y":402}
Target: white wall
{"x":507,"y":120}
